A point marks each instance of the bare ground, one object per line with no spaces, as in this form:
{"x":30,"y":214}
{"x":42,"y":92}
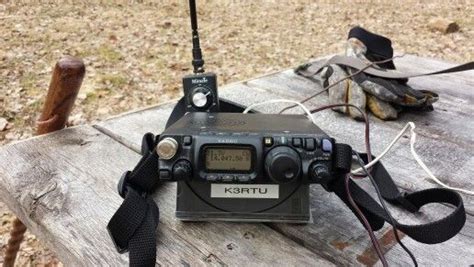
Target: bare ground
{"x":136,"y":53}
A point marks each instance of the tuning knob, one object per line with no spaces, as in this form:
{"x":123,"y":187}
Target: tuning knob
{"x":319,"y":173}
{"x":282,"y":164}
{"x":201,"y":98}
{"x":182,"y":170}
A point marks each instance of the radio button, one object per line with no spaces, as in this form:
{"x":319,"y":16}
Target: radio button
{"x":297,"y":142}
{"x":268,"y":141}
{"x":212,"y":177}
{"x":320,"y":173}
{"x":326,"y":145}
{"x":227,"y":178}
{"x":187,"y":140}
{"x":243,"y":178}
{"x":165,"y":175}
{"x":310,"y":144}
{"x":283,"y":140}
{"x":182,"y":170}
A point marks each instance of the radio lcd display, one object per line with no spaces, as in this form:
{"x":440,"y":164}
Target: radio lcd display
{"x":228,"y":159}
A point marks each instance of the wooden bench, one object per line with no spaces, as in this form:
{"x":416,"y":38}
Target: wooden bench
{"x":63,"y":185}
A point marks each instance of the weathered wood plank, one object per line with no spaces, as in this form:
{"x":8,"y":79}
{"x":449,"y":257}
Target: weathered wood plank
{"x":442,"y":156}
{"x":136,"y":124}
{"x":337,"y":233}
{"x":442,"y":149}
{"x":63,"y":187}
{"x":322,"y":236}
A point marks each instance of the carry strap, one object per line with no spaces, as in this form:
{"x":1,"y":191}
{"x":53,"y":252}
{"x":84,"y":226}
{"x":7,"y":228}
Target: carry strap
{"x":430,"y":233}
{"x":133,"y":225}
{"x":224,"y":106}
{"x":359,"y":64}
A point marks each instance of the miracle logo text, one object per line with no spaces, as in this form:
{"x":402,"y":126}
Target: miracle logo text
{"x":197,"y":81}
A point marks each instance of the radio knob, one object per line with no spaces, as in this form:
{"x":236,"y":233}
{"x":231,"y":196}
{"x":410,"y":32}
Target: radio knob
{"x":320,"y":173}
{"x":282,"y":164}
{"x":167,"y":148}
{"x":201,"y":98}
{"x":182,"y":170}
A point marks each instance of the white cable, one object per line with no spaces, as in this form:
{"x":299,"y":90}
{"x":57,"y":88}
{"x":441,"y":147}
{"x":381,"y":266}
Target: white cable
{"x":410,"y":125}
{"x":425,"y":168}
{"x":372,"y":163}
{"x":415,"y":155}
{"x":303,"y":107}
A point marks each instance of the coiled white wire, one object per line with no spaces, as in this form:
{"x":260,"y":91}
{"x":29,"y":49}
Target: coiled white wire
{"x":420,"y":162}
{"x":303,"y":107}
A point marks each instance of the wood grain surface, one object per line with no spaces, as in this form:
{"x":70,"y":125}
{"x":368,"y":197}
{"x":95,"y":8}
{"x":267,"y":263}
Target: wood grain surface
{"x":63,"y":185}
{"x":444,"y":142}
{"x":64,"y":189}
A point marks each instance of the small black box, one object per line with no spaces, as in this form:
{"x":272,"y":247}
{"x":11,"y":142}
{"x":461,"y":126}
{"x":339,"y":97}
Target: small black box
{"x":200,"y":92}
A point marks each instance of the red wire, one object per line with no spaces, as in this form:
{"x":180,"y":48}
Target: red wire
{"x":360,"y":214}
{"x":374,"y":240}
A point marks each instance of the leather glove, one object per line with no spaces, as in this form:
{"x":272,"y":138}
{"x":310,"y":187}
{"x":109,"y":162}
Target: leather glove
{"x":385,"y":98}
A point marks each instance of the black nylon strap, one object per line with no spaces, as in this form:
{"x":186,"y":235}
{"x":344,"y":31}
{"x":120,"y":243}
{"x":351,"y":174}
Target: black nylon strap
{"x":147,"y":167}
{"x":133,"y":228}
{"x":178,"y":111}
{"x":142,"y":245}
{"x":358,"y":195}
{"x":127,"y":219}
{"x":133,"y":225}
{"x":430,"y":233}
{"x":385,"y":73}
{"x":342,"y":165}
{"x":378,"y":47}
{"x":224,"y":106}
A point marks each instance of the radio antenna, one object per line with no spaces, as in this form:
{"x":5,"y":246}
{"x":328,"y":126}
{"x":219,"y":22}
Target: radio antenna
{"x":198,"y":62}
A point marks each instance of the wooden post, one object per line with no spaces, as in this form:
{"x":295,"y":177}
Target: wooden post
{"x":63,"y":88}
{"x":65,"y":83}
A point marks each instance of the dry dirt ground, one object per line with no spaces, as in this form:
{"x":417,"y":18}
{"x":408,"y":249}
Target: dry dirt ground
{"x":136,"y":52}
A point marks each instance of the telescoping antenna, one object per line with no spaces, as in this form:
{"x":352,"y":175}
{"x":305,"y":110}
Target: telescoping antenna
{"x":198,"y":62}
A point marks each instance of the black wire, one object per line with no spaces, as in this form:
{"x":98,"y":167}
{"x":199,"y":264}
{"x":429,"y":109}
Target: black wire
{"x":356,"y":208}
{"x":392,"y":220}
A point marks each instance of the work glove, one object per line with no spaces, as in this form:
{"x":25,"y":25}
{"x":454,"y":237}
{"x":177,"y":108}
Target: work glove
{"x":385,"y":98}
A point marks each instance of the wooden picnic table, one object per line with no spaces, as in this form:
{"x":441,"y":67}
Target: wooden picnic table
{"x":63,"y":185}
